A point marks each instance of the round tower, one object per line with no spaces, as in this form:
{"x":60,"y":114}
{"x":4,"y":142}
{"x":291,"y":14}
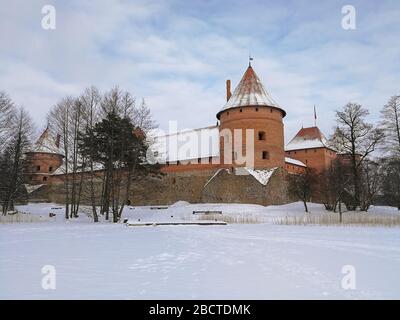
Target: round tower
{"x":251,"y":113}
{"x":44,"y":158}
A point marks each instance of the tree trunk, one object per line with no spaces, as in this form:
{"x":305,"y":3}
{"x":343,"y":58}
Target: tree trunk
{"x":127,"y":192}
{"x":92,"y":195}
{"x":305,"y":206}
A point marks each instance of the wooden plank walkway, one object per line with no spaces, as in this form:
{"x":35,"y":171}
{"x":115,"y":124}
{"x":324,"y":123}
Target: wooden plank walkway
{"x":186,"y":223}
{"x":207,"y":212}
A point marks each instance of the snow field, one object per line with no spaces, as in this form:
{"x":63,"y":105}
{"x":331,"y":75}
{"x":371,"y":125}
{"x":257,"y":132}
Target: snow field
{"x":237,"y":261}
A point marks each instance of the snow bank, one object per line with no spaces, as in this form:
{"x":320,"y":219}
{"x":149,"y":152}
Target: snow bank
{"x":179,"y":204}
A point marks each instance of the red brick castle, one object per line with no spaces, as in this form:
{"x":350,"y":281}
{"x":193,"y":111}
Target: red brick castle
{"x":247,"y":143}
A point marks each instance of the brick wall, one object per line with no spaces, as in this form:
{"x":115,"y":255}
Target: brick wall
{"x":262,"y":119}
{"x":316,"y":158}
{"x":230,"y":188}
{"x":190,"y":187}
{"x":40,"y":166}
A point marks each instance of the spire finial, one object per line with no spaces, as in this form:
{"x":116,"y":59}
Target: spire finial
{"x":315,"y":116}
{"x":250,"y":59}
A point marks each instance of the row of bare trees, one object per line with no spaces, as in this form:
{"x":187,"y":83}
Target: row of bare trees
{"x":16,"y":132}
{"x":104,"y":143}
{"x":367,"y":169}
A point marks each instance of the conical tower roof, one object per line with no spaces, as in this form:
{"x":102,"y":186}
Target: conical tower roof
{"x":250,"y":92}
{"x":47,"y":144}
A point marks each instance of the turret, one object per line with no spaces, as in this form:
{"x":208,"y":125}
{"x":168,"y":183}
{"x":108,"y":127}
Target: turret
{"x":43,"y":159}
{"x":251,"y":108}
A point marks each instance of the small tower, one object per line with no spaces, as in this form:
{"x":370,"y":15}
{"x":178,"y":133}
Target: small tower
{"x":45,"y":157}
{"x":251,"y":107}
{"x":311,"y":147}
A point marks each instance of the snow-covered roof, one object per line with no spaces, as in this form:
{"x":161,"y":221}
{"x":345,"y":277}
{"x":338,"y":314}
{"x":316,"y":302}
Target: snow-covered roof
{"x":262,"y":176}
{"x":250,"y":92}
{"x":187,"y":145}
{"x":308,"y":138}
{"x":295,"y":162}
{"x":47,"y":144}
{"x":61,"y":169}
{"x":32,"y":187}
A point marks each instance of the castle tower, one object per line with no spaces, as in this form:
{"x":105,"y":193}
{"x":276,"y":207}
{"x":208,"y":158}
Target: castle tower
{"x":251,"y":107}
{"x":44,"y":158}
{"x":311,"y":147}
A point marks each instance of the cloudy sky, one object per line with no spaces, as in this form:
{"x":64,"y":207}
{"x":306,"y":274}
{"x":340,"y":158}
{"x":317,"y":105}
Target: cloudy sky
{"x":178,"y":54}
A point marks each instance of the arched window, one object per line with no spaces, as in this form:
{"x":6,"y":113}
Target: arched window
{"x":261,"y":135}
{"x":265,"y":155}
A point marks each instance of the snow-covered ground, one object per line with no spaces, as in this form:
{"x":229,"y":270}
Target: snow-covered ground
{"x":237,"y":261}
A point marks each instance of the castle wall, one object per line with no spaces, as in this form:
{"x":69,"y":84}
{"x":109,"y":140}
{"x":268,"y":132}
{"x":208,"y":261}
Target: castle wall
{"x":292,"y":168}
{"x":203,"y":164}
{"x":316,"y":158}
{"x":227,"y":187}
{"x":187,"y":186}
{"x":163,"y":190}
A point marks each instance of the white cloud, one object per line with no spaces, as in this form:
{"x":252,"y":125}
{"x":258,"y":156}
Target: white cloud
{"x":178,"y":55}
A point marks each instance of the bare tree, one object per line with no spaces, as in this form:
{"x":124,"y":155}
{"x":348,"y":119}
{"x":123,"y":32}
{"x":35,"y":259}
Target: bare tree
{"x":7,"y":111}
{"x":357,"y":138}
{"x":113,"y":122}
{"x":90,"y":101}
{"x":59,"y":120}
{"x":12,"y":160}
{"x":301,"y":186}
{"x":142,"y":118}
{"x":371,"y":176}
{"x":391,"y":126}
{"x":391,"y":181}
{"x":332,"y":186}
{"x":76,"y":160}
{"x":70,"y":117}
